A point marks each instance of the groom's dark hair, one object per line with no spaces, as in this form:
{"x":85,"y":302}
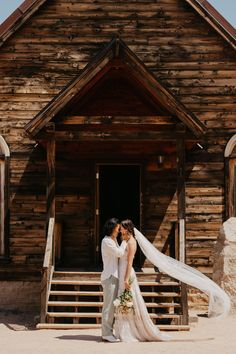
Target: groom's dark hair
{"x":109,"y":226}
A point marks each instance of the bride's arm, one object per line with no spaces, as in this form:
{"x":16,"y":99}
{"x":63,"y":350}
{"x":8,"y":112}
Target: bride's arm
{"x":131,"y":253}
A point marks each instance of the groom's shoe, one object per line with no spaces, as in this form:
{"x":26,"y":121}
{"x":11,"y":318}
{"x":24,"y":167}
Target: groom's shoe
{"x":110,"y":339}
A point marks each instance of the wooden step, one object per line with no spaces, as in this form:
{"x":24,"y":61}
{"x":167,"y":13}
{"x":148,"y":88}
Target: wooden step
{"x":83,"y":275}
{"x":99,"y":315}
{"x":100,"y":293}
{"x":100,"y":304}
{"x":75,"y":314}
{"x":67,"y":326}
{"x":174,"y":327}
{"x":159,"y":292}
{"x":76,"y":282}
{"x":98,"y":326}
{"x":76,"y":293}
{"x":98,"y":282}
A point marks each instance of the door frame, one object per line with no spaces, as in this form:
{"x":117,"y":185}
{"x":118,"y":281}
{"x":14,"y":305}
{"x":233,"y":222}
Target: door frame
{"x":97,"y":199}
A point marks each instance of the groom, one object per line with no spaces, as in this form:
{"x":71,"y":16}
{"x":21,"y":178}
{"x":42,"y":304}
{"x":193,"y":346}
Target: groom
{"x":111,"y":251}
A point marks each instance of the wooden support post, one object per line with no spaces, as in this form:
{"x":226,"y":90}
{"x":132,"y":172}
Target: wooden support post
{"x":51,"y":155}
{"x":6,"y":207}
{"x":181,"y":196}
{"x":181,"y":221}
{"x":227,"y":202}
{"x":51,"y":151}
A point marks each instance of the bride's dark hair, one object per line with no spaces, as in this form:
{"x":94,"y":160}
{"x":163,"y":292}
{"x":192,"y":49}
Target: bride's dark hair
{"x":128,"y":225}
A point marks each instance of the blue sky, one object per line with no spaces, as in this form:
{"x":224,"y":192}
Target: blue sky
{"x":226,"y":7}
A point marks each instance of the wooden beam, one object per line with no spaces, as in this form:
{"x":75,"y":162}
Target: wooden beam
{"x":181,"y":221}
{"x":6,"y":207}
{"x":181,"y":196}
{"x":51,"y":152}
{"x":103,"y":135}
{"x":228,"y":202}
{"x":122,"y":127}
{"x":230,"y":164}
{"x":110,"y":120}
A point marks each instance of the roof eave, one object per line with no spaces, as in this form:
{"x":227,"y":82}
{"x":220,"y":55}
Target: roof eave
{"x":215,"y":19}
{"x":18,"y":18}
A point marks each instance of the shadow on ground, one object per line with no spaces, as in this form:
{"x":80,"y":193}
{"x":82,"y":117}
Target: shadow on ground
{"x":84,"y":337}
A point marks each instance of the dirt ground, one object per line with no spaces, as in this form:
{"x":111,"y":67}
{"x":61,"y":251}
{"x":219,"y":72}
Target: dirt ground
{"x":18,"y":336}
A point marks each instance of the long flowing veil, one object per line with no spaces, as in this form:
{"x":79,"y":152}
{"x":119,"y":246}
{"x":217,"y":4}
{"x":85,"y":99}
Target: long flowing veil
{"x":219,"y":302}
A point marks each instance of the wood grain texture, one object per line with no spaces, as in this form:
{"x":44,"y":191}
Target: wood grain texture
{"x":185,"y":54}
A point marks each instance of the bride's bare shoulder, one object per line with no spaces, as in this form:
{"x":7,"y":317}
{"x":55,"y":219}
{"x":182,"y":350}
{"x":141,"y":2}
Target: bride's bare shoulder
{"x":132,"y":243}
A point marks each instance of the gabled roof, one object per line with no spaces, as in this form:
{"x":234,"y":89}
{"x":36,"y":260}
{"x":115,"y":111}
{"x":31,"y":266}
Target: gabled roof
{"x":203,"y":7}
{"x":115,"y":53}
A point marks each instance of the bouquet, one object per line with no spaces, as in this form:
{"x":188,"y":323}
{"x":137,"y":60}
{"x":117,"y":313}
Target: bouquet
{"x":124,"y":303}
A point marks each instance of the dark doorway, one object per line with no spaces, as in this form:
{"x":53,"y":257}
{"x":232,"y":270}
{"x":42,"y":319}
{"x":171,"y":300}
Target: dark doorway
{"x":119,"y":190}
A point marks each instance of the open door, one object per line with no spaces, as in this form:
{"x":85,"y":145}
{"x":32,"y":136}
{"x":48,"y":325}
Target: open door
{"x":118,"y":195}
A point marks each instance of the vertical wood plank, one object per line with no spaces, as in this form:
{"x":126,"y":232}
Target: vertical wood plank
{"x":228,"y":204}
{"x":6,"y":207}
{"x":51,"y":155}
{"x":230,"y":164}
{"x":97,"y":218}
{"x":181,"y":221}
{"x":181,"y":196}
{"x":50,"y":196}
{"x":2,"y":206}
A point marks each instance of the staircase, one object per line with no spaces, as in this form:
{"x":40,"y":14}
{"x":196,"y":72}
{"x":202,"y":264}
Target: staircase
{"x":75,"y":301}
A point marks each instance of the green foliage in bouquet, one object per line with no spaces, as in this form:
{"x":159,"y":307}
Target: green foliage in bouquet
{"x":124,"y":303}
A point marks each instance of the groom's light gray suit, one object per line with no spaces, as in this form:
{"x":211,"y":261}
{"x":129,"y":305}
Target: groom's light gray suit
{"x":111,"y":252}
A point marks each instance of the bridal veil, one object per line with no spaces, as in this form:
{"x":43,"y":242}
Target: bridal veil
{"x":219,"y":302}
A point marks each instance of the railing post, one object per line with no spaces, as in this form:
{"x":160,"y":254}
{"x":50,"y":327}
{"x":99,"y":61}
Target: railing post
{"x":181,"y":220}
{"x":51,"y":156}
{"x":47,"y":270}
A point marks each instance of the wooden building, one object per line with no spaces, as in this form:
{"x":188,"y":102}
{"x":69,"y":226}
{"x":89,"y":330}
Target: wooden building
{"x":112,"y":108}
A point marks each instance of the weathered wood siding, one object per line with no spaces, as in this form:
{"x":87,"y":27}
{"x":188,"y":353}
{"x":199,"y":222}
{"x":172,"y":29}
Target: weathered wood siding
{"x":28,"y":207}
{"x":178,"y":46}
{"x":75,"y":208}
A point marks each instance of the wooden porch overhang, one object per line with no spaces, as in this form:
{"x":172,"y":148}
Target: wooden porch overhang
{"x":116,"y":55}
{"x":114,"y":132}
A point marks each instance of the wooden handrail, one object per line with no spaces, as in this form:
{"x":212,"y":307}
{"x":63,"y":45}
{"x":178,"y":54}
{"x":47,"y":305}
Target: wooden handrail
{"x":48,"y":267}
{"x":48,"y":256}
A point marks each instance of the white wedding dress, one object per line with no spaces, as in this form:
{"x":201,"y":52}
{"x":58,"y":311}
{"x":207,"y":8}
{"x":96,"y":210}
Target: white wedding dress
{"x":137,"y":326}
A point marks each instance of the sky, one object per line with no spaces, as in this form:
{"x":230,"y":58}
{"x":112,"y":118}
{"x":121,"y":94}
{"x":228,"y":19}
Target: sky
{"x":226,"y":7}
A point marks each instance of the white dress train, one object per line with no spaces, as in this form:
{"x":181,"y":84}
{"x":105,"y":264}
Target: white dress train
{"x":137,"y":326}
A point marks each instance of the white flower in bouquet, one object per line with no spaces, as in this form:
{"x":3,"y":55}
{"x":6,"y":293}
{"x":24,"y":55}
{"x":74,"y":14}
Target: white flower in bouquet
{"x":116,"y":302}
{"x":124,"y":303}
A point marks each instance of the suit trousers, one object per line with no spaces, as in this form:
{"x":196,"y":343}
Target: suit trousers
{"x":110,"y":291}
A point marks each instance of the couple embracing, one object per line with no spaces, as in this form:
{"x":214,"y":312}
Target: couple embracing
{"x":125,"y":317}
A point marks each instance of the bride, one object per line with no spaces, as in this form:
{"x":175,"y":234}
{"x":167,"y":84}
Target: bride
{"x":135,"y":324}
